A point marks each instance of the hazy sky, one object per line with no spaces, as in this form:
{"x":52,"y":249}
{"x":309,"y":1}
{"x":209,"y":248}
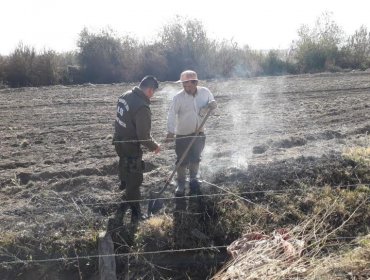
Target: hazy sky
{"x":261,"y":24}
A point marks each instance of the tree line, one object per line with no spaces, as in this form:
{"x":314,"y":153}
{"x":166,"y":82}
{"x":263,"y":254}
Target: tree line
{"x":104,"y":57}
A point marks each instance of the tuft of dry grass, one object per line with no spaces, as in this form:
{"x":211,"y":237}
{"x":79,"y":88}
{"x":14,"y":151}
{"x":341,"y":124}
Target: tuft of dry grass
{"x":360,"y":155}
{"x":155,"y":233}
{"x":349,"y":263}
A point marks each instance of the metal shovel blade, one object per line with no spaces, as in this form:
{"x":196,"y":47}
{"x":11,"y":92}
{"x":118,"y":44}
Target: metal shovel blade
{"x":155,"y":204}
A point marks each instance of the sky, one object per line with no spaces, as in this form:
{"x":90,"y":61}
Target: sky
{"x":261,"y":24}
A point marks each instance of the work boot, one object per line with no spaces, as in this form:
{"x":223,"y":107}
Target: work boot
{"x":116,"y":221}
{"x":136,"y":215}
{"x":194,"y":186}
{"x":180,"y":190}
{"x":122,"y":186}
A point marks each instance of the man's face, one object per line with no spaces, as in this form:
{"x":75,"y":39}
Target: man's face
{"x":190,"y":87}
{"x":150,"y":92}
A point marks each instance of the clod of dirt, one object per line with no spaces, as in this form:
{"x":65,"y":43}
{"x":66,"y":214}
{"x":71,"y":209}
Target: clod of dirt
{"x":25,"y":143}
{"x":291,"y":142}
{"x":326,"y":135}
{"x":260,"y":149}
{"x":330,"y":134}
{"x":61,"y":141}
{"x":363,"y":130}
{"x":24,"y":177}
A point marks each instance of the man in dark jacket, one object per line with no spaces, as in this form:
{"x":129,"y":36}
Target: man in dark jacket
{"x":132,"y":130}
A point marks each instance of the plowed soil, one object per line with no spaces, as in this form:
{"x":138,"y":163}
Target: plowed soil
{"x":57,"y":160}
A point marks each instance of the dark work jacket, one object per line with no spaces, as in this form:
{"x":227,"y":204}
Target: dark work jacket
{"x":133,"y":123}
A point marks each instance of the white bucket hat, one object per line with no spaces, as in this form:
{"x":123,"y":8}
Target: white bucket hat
{"x":188,"y":75}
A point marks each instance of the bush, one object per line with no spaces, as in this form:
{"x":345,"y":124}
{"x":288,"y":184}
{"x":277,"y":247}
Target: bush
{"x":153,"y":61}
{"x":186,"y":46}
{"x":25,"y":67}
{"x":273,"y":64}
{"x":356,"y":53}
{"x":311,"y":57}
{"x":250,"y":63}
{"x":226,"y":59}
{"x":101,"y":57}
{"x":131,"y":60}
{"x":19,"y":66}
{"x":2,"y":70}
{"x":65,"y":62}
{"x":45,"y":69}
{"x":317,"y":47}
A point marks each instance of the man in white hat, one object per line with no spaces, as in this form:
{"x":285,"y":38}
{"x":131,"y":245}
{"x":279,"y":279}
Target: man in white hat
{"x":187,"y":110}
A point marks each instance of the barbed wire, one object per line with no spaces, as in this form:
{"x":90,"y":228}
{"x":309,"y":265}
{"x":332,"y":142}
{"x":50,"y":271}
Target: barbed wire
{"x":226,"y":193}
{"x":162,"y":251}
{"x":212,"y":135}
{"x":238,"y":196}
{"x":143,"y":253}
{"x":114,"y":255}
{"x":201,"y":136}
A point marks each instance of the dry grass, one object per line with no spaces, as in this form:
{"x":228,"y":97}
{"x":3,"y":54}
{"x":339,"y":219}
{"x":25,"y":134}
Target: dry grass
{"x":351,"y":263}
{"x":329,"y":222}
{"x":155,"y":233}
{"x":361,"y":155}
{"x":282,"y":258}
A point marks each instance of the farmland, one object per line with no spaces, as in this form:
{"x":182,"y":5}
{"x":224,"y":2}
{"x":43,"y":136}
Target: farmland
{"x":58,"y":167}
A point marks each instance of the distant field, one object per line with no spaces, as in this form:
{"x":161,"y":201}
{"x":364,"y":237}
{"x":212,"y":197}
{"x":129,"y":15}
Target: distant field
{"x":56,"y":149}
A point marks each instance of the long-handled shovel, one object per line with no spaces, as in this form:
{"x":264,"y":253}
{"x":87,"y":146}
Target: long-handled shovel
{"x":155,"y":203}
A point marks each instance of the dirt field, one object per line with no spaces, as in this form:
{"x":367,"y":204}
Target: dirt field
{"x":56,"y":154}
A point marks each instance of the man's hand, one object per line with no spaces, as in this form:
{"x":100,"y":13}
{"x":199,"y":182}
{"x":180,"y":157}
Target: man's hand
{"x":212,"y":105}
{"x":156,"y":151}
{"x":170,"y":137}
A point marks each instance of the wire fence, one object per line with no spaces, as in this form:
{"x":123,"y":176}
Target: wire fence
{"x":226,"y":192}
{"x":138,"y":253}
{"x":113,"y":255}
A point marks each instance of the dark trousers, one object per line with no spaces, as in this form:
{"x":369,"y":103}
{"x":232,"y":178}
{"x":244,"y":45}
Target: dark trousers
{"x":195,"y":153}
{"x":191,"y":160}
{"x":130,"y":170}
